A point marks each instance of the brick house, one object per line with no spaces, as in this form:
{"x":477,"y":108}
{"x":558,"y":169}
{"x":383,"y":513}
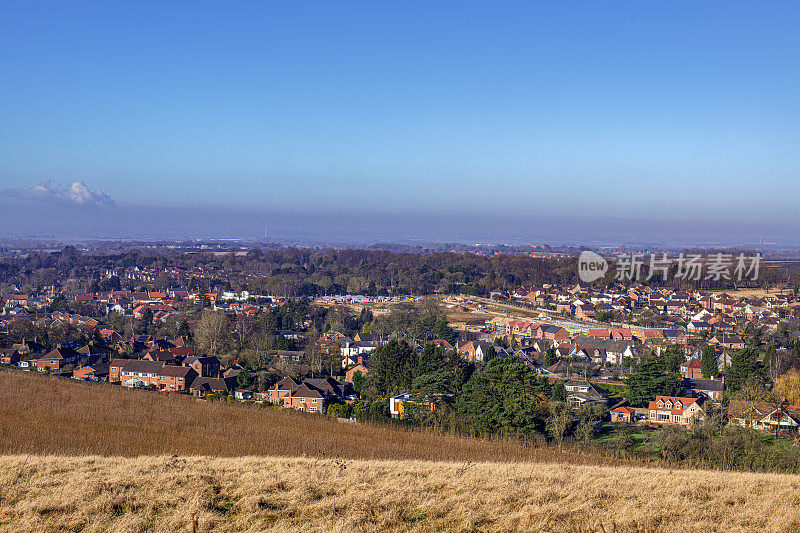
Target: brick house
{"x":97,"y":372}
{"x":202,"y":386}
{"x":204,"y":366}
{"x":141,"y":373}
{"x":622,"y":414}
{"x":348,"y":376}
{"x":95,"y":352}
{"x":57,"y":359}
{"x":553,"y":333}
{"x":9,"y":356}
{"x":691,"y":369}
{"x":675,"y":410}
{"x":312,"y":395}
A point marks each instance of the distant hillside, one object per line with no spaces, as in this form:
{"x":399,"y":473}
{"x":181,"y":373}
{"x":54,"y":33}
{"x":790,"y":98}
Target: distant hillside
{"x":257,"y":494}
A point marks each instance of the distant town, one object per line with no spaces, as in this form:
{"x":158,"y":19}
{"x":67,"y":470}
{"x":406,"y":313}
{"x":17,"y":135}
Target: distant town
{"x":446,"y":347}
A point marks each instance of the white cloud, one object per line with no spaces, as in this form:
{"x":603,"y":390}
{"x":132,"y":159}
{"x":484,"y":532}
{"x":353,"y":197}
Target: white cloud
{"x":76,"y":194}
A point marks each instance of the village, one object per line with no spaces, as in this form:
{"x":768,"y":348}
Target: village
{"x":587,"y":342}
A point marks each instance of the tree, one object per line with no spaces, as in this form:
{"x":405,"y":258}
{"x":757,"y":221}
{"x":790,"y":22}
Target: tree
{"x":245,"y":380}
{"x":393,"y":367}
{"x":550,"y":357}
{"x":502,"y":400}
{"x":708,"y":362}
{"x":787,"y":387}
{"x":213,"y":333}
{"x":673,"y":358}
{"x":649,"y":380}
{"x":430,"y":360}
{"x":559,"y":392}
{"x":559,"y":422}
{"x":358,"y":381}
{"x":183,"y":329}
{"x":490,"y":354}
{"x":744,"y":364}
{"x":146,"y":321}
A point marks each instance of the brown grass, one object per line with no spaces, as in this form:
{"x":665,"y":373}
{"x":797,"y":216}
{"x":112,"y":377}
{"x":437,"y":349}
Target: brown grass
{"x":257,"y":494}
{"x":49,"y":415}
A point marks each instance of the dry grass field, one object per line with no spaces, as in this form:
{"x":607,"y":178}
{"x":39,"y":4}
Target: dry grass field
{"x":255,"y":494}
{"x":49,"y":415}
{"x":96,"y":457}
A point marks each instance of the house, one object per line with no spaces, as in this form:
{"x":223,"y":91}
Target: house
{"x":600,"y":333}
{"x":551,"y":332}
{"x":622,"y":414}
{"x":208,"y":366}
{"x":203,"y":385}
{"x":356,"y":348}
{"x":9,"y":356}
{"x":473,"y":351}
{"x":585,"y":311}
{"x":29,"y":346}
{"x":698,"y":326}
{"x":711,"y":389}
{"x":243,"y":394}
{"x":765,"y":416}
{"x":691,"y":369}
{"x":95,"y":352}
{"x":96,"y":372}
{"x":161,"y":356}
{"x":56,"y":359}
{"x":595,"y":354}
{"x":312,"y":395}
{"x":580,"y":392}
{"x":675,"y":410}
{"x":400,"y":405}
{"x":143,"y":373}
{"x":305,"y":398}
{"x":360,"y":367}
{"x":731,"y":342}
{"x":622,"y":334}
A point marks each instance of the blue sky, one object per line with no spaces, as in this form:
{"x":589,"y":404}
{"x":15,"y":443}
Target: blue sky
{"x":650,"y":108}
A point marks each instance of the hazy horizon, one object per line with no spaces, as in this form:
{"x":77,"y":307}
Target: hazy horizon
{"x":674,"y":123}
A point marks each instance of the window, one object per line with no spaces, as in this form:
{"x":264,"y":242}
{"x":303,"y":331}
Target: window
{"x":677,"y":418}
{"x":663,"y":417}
{"x":692,"y":409}
{"x":313,"y":410}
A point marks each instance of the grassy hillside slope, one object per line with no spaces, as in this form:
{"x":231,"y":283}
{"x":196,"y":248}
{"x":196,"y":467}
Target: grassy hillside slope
{"x":50,"y":415}
{"x":255,"y":494}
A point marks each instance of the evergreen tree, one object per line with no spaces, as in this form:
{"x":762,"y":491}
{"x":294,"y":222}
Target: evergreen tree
{"x":430,"y":360}
{"x":442,"y":330}
{"x":708,"y":362}
{"x":744,"y":364}
{"x":550,"y":357}
{"x":358,"y":381}
{"x":490,"y":354}
{"x":394,"y":367}
{"x":502,"y":400}
{"x":673,"y":358}
{"x":558,"y":392}
{"x":649,"y":380}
